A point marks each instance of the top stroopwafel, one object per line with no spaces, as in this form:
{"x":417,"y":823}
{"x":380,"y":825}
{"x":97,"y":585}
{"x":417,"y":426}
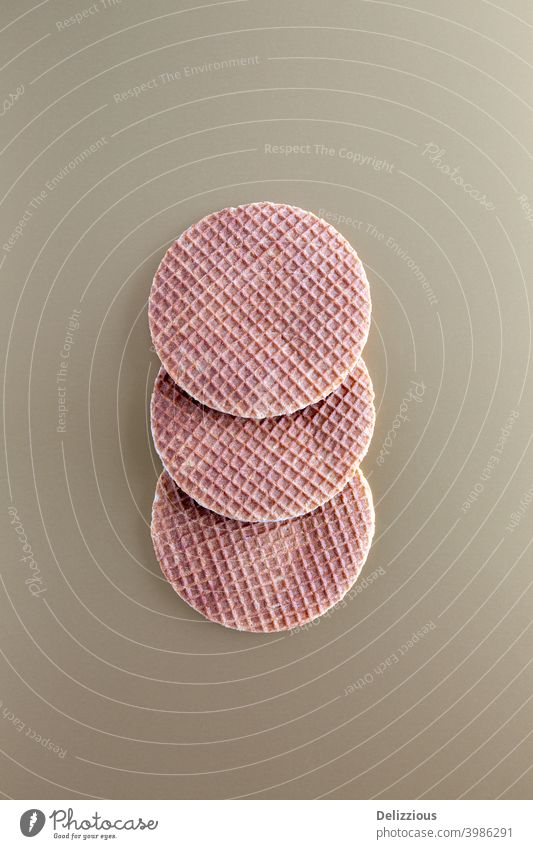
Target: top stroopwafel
{"x":262,"y":576}
{"x":259,"y":310}
{"x":267,"y":470}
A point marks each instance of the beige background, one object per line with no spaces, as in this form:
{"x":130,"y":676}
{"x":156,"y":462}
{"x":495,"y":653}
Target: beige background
{"x":139,"y":695}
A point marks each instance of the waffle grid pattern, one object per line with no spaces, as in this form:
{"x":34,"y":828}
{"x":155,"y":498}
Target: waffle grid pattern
{"x":260,"y":310}
{"x":267,"y":470}
{"x":257,"y":576}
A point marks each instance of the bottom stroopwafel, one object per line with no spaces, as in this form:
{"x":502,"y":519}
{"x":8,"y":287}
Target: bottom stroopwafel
{"x":257,"y":576}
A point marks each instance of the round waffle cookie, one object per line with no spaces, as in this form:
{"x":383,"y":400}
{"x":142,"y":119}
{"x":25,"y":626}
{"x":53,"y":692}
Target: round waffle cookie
{"x":260,"y":576}
{"x":259,"y":310}
{"x":266,"y":470}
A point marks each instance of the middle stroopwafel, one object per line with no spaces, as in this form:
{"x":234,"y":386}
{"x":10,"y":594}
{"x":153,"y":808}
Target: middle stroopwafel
{"x":268,"y":469}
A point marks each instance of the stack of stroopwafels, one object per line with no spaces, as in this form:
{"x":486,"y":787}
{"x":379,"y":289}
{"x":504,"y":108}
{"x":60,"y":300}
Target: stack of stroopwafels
{"x":261,"y":413}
